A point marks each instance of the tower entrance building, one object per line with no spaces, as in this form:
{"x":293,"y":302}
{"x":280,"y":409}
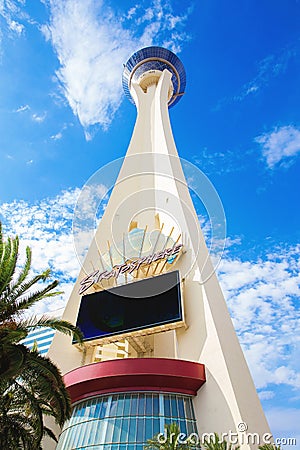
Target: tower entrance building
{"x":160,"y":346}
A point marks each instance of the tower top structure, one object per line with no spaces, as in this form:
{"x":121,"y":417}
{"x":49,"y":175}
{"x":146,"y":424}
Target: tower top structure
{"x":145,"y":67}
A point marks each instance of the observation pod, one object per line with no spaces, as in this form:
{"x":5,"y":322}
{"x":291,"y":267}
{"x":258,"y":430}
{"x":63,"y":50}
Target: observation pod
{"x":160,"y":346}
{"x":145,"y":67}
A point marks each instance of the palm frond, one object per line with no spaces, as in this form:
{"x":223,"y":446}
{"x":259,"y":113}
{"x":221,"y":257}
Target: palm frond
{"x":35,"y":411}
{"x":8,"y":262}
{"x":55,"y":324}
{"x":31,"y":386}
{"x":217,"y":443}
{"x":16,"y":301}
{"x":25,"y":269}
{"x":34,"y":347}
{"x":172,"y":440}
{"x":12,"y":358}
{"x":20,"y":418}
{"x":43,"y":367}
{"x":48,"y":432}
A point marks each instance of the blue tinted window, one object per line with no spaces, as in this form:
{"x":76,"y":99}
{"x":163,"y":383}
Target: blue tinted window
{"x":155,"y":405}
{"x":133,"y":408}
{"x":127,"y":402}
{"x":149,"y":409}
{"x":174,"y":411}
{"x":141,"y":405}
{"x":125,"y":421}
{"x":167,"y":406}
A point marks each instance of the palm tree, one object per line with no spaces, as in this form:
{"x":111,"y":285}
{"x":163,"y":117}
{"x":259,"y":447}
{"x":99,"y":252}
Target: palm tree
{"x":30,"y":385}
{"x":171,"y":440}
{"x":217,"y":443}
{"x":37,"y":391}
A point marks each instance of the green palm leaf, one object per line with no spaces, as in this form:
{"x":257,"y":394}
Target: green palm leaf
{"x":31,"y":386}
{"x":217,"y":443}
{"x":56,"y":324}
{"x":172,"y":438}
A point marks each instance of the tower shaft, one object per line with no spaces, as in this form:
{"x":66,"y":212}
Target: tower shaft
{"x":151,"y":193}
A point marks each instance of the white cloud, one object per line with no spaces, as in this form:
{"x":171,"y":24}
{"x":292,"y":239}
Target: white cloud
{"x":36,"y":117}
{"x":46,"y":227}
{"x":268,"y":68}
{"x":281,"y":144}
{"x":251,"y":89}
{"x":220,"y":162}
{"x":92,"y":42}
{"x":266,"y":395}
{"x":89,"y":207}
{"x":262,"y":298}
{"x":57,"y":136}
{"x":39,"y":117}
{"x":16,"y":26}
{"x":22,"y":108}
{"x":11,"y":11}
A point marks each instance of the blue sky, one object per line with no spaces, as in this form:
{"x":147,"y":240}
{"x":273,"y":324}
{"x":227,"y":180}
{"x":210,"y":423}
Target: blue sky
{"x":63,"y":116}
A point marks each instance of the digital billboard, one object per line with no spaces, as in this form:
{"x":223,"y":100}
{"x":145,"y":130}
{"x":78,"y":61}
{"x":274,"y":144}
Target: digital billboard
{"x":134,"y":306}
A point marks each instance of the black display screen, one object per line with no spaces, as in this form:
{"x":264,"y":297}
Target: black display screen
{"x":134,"y":306}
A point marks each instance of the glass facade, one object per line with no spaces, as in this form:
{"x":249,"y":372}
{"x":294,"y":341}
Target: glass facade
{"x":125,"y":421}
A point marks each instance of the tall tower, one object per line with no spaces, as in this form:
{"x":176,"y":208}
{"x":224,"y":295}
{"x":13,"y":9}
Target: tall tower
{"x":160,"y":346}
